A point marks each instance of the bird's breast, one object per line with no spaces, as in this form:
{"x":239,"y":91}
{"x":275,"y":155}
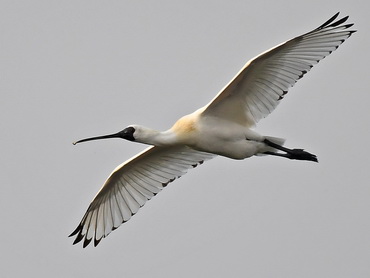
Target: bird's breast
{"x":184,"y":126}
{"x":186,"y":130}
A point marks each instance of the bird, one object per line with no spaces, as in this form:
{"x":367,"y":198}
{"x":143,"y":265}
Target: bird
{"x":223,"y":127}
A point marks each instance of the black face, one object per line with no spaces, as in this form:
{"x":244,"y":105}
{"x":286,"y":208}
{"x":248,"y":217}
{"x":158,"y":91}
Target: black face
{"x":127,"y":133}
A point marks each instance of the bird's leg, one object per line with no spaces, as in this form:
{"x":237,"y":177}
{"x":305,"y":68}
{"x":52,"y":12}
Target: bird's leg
{"x":298,"y":154}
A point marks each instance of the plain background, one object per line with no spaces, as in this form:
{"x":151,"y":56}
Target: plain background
{"x":74,"y":69}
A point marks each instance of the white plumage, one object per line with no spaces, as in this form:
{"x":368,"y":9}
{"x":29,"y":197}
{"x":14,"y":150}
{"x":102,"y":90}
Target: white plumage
{"x":222,"y":127}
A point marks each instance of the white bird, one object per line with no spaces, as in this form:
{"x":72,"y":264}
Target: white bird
{"x":222,"y":127}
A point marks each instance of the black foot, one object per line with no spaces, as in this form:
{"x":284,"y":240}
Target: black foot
{"x":300,"y":154}
{"x":297,"y":154}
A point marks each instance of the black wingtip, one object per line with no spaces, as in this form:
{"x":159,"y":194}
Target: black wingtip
{"x":332,"y":23}
{"x":78,"y":238}
{"x":339,"y":22}
{"x":330,"y":20}
{"x":97,"y":241}
{"x":166,"y":183}
{"x":75,"y":231}
{"x":348,"y":25}
{"x":86,"y":242}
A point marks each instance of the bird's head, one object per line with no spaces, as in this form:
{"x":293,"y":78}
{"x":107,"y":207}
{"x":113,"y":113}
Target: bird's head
{"x":129,"y":133}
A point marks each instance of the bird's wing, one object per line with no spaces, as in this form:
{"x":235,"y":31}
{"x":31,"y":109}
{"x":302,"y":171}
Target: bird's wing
{"x":130,"y":185}
{"x":258,"y":88}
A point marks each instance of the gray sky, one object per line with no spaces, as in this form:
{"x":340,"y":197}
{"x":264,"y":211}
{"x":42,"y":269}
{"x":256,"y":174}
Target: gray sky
{"x":74,"y":69}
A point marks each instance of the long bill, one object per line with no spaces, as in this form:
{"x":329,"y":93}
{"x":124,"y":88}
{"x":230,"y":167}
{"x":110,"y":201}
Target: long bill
{"x":114,"y":135}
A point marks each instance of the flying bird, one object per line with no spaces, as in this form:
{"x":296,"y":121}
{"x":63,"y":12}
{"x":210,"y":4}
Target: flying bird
{"x":222,"y":127}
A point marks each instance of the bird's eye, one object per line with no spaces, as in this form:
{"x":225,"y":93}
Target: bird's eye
{"x":130,"y":130}
{"x":128,"y":133}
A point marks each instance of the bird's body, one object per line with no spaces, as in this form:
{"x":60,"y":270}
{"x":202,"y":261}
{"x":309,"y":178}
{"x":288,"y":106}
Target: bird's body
{"x":204,"y":134}
{"x":218,"y":136}
{"x":222,"y":127}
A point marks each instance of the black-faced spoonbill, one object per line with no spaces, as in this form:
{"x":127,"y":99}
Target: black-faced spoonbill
{"x":222,"y":127}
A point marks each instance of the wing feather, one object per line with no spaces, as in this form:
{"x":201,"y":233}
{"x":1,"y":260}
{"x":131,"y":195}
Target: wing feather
{"x":129,"y":187}
{"x":264,"y":80}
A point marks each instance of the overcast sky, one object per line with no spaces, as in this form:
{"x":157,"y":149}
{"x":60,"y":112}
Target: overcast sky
{"x":75,"y":69}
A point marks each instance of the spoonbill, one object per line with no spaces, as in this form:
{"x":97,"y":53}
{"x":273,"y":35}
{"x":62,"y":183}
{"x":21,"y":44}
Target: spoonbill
{"x":222,"y":127}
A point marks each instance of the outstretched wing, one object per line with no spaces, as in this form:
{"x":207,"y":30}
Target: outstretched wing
{"x":262,"y":83}
{"x":129,"y":187}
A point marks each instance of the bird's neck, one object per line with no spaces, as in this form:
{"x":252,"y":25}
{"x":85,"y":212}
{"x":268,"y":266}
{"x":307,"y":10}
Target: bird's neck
{"x":157,"y":138}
